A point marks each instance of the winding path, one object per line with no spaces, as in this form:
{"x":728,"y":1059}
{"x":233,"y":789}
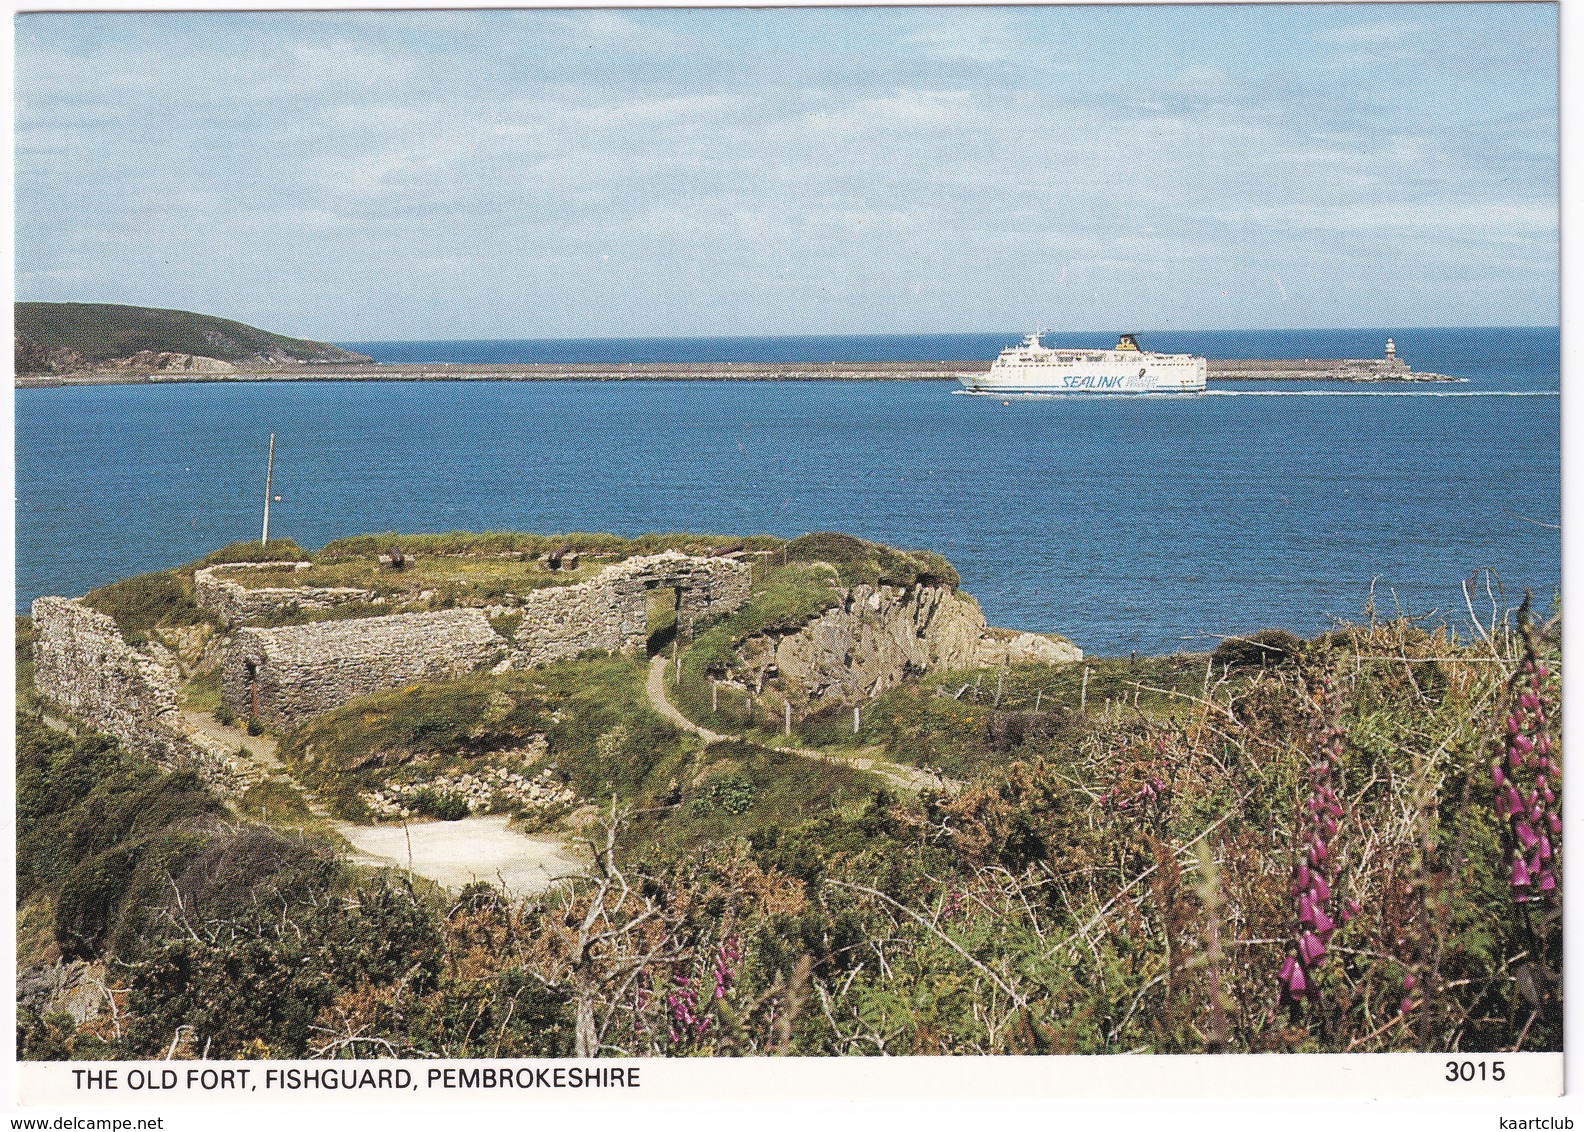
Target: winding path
{"x":907,"y":777}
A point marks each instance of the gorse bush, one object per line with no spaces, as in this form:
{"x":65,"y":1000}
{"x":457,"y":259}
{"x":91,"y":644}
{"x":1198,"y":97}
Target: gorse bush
{"x":442,"y":805}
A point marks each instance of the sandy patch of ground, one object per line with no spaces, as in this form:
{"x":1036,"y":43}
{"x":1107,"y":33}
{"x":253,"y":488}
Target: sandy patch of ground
{"x":456,"y":853}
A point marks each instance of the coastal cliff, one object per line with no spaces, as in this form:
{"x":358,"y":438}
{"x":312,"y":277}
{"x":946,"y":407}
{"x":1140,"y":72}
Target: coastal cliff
{"x":878,"y":636}
{"x":61,"y":338}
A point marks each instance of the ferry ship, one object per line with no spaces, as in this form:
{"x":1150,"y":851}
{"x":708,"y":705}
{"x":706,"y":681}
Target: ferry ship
{"x":1126,"y":368}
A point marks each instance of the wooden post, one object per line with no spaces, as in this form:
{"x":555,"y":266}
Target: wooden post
{"x":1038,"y":692}
{"x":789,"y":717}
{"x":856,"y":722}
{"x":714,"y":698}
{"x":269,"y":478}
{"x":1083,"y":693}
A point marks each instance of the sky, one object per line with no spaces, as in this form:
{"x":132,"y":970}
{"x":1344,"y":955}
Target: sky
{"x":357,"y":176}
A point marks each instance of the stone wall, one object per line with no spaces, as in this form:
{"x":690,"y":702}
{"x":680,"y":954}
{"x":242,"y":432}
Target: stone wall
{"x":82,"y":664}
{"x":289,"y":674}
{"x":236,"y":604}
{"x":286,"y":675}
{"x":610,"y":611}
{"x":879,"y":636}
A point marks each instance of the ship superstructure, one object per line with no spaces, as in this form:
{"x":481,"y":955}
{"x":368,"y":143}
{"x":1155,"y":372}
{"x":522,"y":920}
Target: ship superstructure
{"x":1033,"y":367}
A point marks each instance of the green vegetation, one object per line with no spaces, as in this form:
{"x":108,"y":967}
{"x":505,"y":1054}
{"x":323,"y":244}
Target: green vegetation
{"x":276,"y":550}
{"x":148,"y":602}
{"x":500,"y":543}
{"x":784,"y":598}
{"x":26,"y":698}
{"x":1117,"y":880}
{"x":858,"y":561}
{"x":579,"y":705}
{"x":1125,"y":861}
{"x":145,"y":604}
{"x":99,"y":332}
{"x":96,"y":829}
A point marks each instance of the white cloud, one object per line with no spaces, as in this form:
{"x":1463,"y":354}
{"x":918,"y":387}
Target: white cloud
{"x":1373,"y":219}
{"x":737,"y":153}
{"x":1379,"y":32}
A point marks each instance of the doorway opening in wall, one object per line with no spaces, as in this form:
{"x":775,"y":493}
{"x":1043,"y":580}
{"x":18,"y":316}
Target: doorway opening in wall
{"x":253,"y":693}
{"x":660,"y":610}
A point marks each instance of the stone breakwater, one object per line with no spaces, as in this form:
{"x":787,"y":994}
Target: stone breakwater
{"x":879,"y":636}
{"x":83,"y":664}
{"x":1235,"y":369}
{"x":1360,"y":370}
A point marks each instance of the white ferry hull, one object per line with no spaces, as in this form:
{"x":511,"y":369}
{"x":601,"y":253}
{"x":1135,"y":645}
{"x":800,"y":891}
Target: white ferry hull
{"x":1033,"y":368}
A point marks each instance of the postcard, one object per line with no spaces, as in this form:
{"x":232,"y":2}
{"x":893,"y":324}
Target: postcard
{"x":906,"y":555}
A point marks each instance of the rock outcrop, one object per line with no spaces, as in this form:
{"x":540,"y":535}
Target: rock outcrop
{"x":167,"y":361}
{"x":879,"y":636}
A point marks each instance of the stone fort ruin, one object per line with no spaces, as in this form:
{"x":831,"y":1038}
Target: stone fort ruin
{"x":285,"y":675}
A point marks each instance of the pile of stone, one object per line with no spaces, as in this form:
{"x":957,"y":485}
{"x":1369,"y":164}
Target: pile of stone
{"x":492,"y":789}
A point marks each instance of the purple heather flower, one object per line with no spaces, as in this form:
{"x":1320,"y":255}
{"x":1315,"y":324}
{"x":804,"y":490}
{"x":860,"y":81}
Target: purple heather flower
{"x":1498,"y":780}
{"x":1323,"y":924}
{"x":1525,"y":835}
{"x":1554,"y":823}
{"x":1547,"y":881}
{"x":1321,"y":890}
{"x":1310,"y":948}
{"x":1353,"y":907}
{"x":1520,"y":872}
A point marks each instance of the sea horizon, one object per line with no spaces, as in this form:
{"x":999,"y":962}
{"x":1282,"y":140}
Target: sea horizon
{"x":1416,"y":344}
{"x":1123,"y":523}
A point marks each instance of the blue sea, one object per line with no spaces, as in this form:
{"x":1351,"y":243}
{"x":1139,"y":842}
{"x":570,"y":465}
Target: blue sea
{"x":1125,"y":523}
